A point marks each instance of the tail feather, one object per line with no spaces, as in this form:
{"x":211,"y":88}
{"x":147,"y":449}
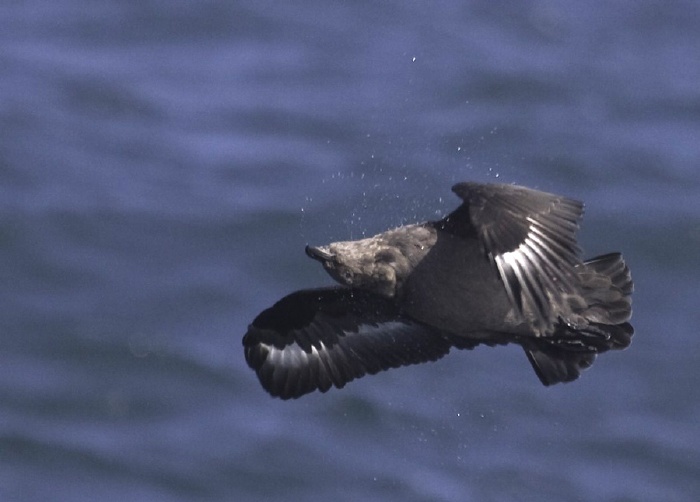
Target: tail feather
{"x":606,"y":288}
{"x":554,"y":365}
{"x":604,"y":306}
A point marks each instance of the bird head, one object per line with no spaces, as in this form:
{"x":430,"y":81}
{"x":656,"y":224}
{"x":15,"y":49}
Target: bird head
{"x":368,"y":264}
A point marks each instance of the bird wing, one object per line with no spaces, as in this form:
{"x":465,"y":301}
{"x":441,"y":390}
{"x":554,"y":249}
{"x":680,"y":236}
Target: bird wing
{"x":313,"y":339}
{"x":530,"y":236}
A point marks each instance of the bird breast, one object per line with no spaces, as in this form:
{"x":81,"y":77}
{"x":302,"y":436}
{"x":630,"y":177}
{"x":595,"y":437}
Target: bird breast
{"x":455,"y":288}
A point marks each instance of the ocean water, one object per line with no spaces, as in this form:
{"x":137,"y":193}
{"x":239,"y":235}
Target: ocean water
{"x":163,"y":164}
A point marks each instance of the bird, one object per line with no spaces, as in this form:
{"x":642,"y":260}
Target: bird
{"x":503,"y":268}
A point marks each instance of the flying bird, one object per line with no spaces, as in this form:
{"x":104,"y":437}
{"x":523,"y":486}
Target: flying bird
{"x":504,"y":267}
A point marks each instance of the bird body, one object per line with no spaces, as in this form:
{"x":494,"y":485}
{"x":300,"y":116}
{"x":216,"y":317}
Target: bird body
{"x":504,"y":267}
{"x":472,"y":301}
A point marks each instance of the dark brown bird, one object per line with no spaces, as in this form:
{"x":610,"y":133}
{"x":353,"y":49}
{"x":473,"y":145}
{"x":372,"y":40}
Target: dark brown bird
{"x":504,"y":267}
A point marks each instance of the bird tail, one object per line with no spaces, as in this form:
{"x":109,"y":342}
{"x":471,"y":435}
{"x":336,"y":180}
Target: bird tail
{"x":603,"y":309}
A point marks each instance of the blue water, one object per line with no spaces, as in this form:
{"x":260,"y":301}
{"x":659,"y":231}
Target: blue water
{"x":162,"y":165}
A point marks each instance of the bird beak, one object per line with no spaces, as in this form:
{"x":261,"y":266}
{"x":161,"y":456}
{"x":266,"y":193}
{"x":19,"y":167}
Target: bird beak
{"x":319,"y":254}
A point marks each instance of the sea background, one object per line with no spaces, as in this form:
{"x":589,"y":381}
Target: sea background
{"x":164,"y":163}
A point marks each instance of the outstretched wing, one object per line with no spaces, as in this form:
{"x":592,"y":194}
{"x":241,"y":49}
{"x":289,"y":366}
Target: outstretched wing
{"x":530,"y":236}
{"x":314,"y":339}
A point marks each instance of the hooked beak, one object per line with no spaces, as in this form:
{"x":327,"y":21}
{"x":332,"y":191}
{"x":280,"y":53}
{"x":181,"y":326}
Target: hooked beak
{"x":319,"y":254}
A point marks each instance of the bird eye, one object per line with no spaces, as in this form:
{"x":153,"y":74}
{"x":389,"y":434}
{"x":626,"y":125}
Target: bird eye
{"x":385,"y":257}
